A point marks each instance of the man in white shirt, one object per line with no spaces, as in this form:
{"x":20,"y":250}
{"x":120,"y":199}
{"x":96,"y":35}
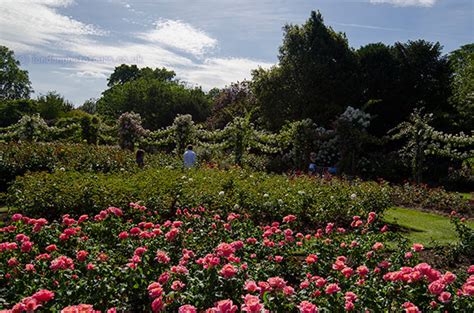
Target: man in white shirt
{"x":189,"y":157}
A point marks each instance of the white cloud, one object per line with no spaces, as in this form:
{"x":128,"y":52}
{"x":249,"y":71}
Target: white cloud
{"x":218,"y":72}
{"x":36,"y":25}
{"x":37,"y":31}
{"x":182,"y":36}
{"x":406,"y":3}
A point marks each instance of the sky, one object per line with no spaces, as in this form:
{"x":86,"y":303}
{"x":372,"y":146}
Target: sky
{"x":72,"y":46}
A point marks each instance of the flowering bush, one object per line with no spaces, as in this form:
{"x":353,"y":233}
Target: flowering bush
{"x":424,"y":197}
{"x":265,"y":197}
{"x":18,"y":158}
{"x":132,"y":259}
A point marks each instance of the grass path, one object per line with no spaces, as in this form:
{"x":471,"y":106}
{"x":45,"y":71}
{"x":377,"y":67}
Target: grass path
{"x":423,"y":227}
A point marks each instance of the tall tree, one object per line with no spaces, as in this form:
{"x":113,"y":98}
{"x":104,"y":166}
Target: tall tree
{"x":316,"y":76}
{"x":462,"y":64}
{"x":125,"y":73}
{"x":52,"y":105}
{"x":156,"y":97}
{"x":14,"y":82}
{"x":424,"y":80}
{"x":397,"y":79}
{"x":379,"y":73}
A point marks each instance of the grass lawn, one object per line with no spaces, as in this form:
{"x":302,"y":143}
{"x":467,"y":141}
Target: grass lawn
{"x":423,"y":227}
{"x":465,"y":195}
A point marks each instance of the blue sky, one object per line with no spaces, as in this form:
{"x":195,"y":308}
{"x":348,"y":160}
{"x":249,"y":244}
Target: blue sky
{"x":71,"y":46}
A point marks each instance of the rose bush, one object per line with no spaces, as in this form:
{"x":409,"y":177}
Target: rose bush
{"x":264,"y":196}
{"x":213,"y":261}
{"x":18,"y":158}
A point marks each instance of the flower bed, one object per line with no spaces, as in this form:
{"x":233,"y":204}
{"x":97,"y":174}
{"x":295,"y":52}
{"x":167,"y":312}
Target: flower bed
{"x":264,"y":196}
{"x":421,"y":196}
{"x":131,"y":259}
{"x":18,"y":158}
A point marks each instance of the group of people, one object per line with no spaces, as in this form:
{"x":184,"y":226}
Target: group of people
{"x":314,"y":169}
{"x":190,"y":159}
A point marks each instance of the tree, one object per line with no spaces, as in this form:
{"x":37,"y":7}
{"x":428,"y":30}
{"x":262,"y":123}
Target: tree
{"x":52,"y":105}
{"x":379,"y":74}
{"x":422,"y":140}
{"x":462,"y":64}
{"x":89,"y":106}
{"x":11,"y":111}
{"x":157,"y":100}
{"x":424,"y":81}
{"x":316,"y":76}
{"x":397,"y":79}
{"x":232,"y":101}
{"x":126,"y":73}
{"x":14,"y":82}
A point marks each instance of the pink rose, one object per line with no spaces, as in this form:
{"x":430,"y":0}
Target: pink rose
{"x":444,"y":297}
{"x":436,"y":287}
{"x":225,"y":306}
{"x":332,"y":288}
{"x":187,"y":308}
{"x":228,"y":271}
{"x":307,"y":307}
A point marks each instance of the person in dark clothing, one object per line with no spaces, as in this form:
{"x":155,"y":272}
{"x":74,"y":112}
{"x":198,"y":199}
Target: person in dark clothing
{"x":140,"y":158}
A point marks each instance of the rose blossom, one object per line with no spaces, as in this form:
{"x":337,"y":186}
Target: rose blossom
{"x":187,"y":308}
{"x":332,"y":288}
{"x":307,"y":307}
{"x":417,"y":247}
{"x":228,"y":271}
{"x":436,"y":287}
{"x":252,"y":304}
{"x":251,"y":286}
{"x":225,"y":306}
{"x":444,"y":297}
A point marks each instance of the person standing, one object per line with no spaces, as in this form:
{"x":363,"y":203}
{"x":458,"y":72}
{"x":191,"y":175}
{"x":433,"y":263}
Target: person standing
{"x":189,"y":157}
{"x":140,"y":158}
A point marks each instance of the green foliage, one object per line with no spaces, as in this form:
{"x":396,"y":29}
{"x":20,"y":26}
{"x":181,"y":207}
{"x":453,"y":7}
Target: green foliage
{"x":11,"y":111}
{"x":89,"y":106}
{"x":14,"y":82}
{"x":314,"y":60}
{"x":423,"y":140}
{"x":125,"y":73}
{"x":30,"y":128}
{"x":465,"y":245}
{"x":52,"y":106}
{"x":236,"y":100}
{"x":423,"y":197}
{"x":18,"y":158}
{"x":462,"y":64}
{"x":264,"y":196}
{"x":157,"y":99}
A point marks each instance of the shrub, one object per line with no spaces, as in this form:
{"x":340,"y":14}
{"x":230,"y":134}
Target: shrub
{"x":421,"y":196}
{"x":18,"y":158}
{"x":134,"y":260}
{"x":263,"y":196}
